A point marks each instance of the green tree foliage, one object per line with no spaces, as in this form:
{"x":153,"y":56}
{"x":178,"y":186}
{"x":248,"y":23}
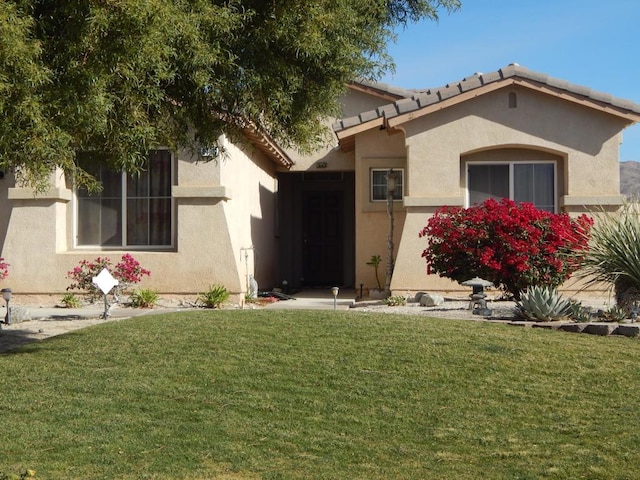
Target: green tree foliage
{"x":124,"y":76}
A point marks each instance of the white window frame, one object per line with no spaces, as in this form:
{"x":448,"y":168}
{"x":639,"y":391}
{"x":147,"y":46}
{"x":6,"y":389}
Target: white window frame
{"x":385,"y":170}
{"x":123,"y":219}
{"x":511,"y":177}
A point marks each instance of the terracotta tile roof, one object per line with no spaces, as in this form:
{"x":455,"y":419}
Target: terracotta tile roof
{"x":414,"y":102}
{"x":268,"y":146}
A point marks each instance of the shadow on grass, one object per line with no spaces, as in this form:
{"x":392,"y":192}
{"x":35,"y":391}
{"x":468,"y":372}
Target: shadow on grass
{"x":17,"y":341}
{"x":11,"y":340}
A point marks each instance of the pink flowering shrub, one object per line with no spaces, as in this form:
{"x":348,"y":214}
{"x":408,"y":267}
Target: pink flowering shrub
{"x":4,"y":269}
{"x":128,"y":272}
{"x":514,"y":245}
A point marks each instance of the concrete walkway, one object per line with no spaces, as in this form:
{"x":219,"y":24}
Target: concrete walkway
{"x":316,"y":299}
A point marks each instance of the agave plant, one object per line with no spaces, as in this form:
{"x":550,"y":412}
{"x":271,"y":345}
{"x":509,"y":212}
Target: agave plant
{"x":542,"y":304}
{"x":579,"y":312}
{"x":614,"y":255}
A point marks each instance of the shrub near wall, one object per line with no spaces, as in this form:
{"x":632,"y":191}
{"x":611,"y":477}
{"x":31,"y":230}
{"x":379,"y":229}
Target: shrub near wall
{"x":127,"y":271}
{"x":514,"y":245}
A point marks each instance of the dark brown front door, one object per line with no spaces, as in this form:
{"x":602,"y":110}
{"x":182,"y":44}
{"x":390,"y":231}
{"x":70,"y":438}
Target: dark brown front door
{"x":323,"y":216}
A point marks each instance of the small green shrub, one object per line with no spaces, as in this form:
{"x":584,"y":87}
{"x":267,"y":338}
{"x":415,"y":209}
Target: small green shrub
{"x":143,"y":298}
{"x":542,"y":304}
{"x":579,"y":312}
{"x":395,"y":301}
{"x":70,"y":300}
{"x":214,"y":297}
{"x":615,"y":314}
{"x":24,"y":475}
{"x":375,"y":262}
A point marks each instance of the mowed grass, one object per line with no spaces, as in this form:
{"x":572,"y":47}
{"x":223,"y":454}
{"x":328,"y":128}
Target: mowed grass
{"x":320,"y":395}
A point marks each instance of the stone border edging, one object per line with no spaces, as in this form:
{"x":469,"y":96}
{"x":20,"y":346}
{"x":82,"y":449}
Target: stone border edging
{"x":594,"y":328}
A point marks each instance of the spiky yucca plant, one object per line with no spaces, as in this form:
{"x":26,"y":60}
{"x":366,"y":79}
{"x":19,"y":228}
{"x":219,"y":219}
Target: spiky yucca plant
{"x":542,"y":304}
{"x":614,"y":254}
{"x":143,"y":298}
{"x":214,"y":297}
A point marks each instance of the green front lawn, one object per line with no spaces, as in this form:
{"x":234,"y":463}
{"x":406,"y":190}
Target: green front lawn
{"x":262,"y":394}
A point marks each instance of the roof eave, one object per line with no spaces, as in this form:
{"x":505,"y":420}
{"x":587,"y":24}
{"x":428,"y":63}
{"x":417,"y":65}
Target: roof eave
{"x":605,"y":107}
{"x":268,"y":146}
{"x":383,"y":93}
{"x":346,"y":137}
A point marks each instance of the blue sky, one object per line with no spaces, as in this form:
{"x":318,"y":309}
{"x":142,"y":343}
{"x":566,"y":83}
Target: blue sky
{"x":587,"y":42}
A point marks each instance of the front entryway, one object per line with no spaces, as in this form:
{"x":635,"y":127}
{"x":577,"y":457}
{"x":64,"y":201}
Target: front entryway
{"x":316,"y":226}
{"x":323,"y":227}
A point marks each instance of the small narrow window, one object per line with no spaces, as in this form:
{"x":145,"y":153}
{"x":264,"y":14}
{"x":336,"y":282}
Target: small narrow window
{"x":379,"y":184}
{"x":513,"y":100}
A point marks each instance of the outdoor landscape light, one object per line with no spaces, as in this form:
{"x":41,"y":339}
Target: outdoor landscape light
{"x":6,"y":294}
{"x":392,"y":181}
{"x":210,"y":152}
{"x":335,"y":290}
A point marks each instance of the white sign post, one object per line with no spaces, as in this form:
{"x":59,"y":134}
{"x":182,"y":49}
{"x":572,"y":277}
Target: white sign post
{"x":105,"y":282}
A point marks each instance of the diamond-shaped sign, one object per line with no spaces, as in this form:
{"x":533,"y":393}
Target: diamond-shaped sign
{"x":105,"y":281}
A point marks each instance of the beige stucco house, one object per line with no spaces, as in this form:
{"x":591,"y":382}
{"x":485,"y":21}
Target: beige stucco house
{"x":315,"y":221}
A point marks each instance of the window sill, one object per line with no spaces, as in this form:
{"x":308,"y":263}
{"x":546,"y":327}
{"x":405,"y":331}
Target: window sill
{"x":591,"y":200}
{"x":59,"y":194}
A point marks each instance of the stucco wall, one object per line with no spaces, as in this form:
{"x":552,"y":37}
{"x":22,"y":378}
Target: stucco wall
{"x":329,"y":153}
{"x":375,"y":149}
{"x":219,"y":207}
{"x":589,"y":139}
{"x":251,"y":213}
{"x":584,"y":142}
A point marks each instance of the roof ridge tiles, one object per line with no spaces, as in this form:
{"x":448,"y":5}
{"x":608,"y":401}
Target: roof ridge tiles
{"x":417,"y":99}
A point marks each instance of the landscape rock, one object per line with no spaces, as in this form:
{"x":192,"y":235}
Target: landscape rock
{"x":602,"y":329}
{"x":628,"y":330}
{"x":20,"y":314}
{"x":418,"y":296}
{"x":572,"y":327}
{"x":431,"y":300}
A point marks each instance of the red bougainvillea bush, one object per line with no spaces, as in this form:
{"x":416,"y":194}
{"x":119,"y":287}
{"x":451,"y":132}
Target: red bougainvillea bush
{"x":127,"y":271}
{"x":514,"y":245}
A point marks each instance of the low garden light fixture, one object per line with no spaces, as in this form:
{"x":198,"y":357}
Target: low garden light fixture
{"x":6,"y":294}
{"x":335,"y":291}
{"x":209,"y":153}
